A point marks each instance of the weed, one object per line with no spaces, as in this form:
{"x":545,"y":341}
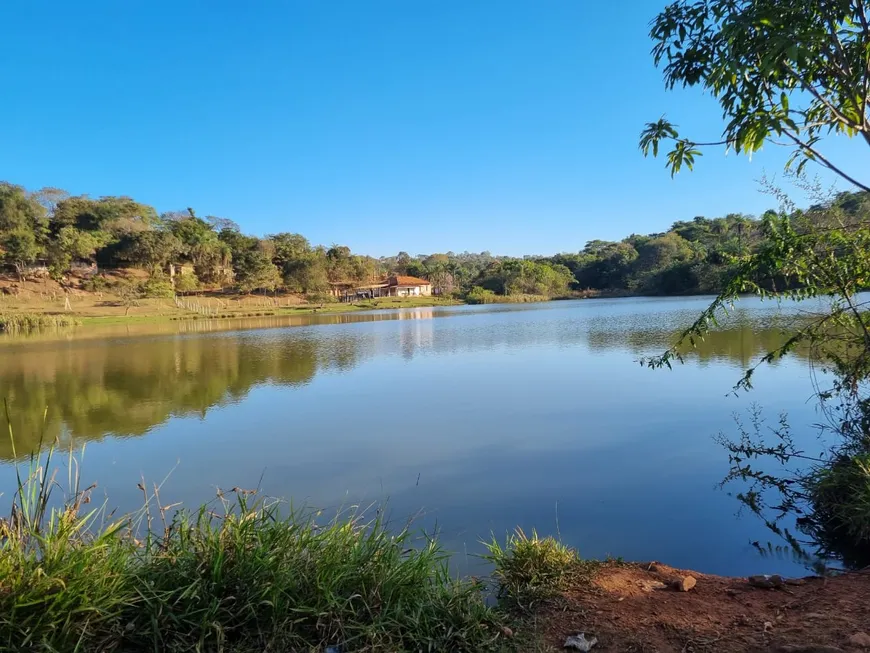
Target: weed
{"x":25,"y":322}
{"x":529,"y":569}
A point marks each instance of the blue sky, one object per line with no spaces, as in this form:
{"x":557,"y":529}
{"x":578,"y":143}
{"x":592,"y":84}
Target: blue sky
{"x":384,"y":125}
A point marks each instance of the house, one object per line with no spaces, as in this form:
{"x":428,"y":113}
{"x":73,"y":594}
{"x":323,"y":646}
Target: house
{"x":393,"y":286}
{"x":402,"y":286}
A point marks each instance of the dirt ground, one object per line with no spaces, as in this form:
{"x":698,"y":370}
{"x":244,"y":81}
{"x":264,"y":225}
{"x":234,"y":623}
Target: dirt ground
{"x":634,"y":607}
{"x":43,"y":295}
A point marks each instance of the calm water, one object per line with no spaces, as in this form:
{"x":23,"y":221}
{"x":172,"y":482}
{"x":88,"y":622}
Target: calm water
{"x":477,"y":419}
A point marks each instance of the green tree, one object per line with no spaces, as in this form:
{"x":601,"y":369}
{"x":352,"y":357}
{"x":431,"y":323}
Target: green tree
{"x":71,"y":244}
{"x":252,"y":265}
{"x":790,"y":71}
{"x":20,"y":210}
{"x":120,"y":216}
{"x":152,"y":250}
{"x":19,"y":249}
{"x":783,"y":71}
{"x":200,"y":244}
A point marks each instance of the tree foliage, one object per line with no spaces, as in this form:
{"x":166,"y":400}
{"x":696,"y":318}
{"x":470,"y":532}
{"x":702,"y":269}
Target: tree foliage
{"x":786,"y":72}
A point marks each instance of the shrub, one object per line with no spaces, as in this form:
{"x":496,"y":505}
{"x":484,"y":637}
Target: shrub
{"x":186,"y":282}
{"x":97,"y":283}
{"x":529,"y":569}
{"x":840,"y":497}
{"x":478,"y":295}
{"x":157,"y":287}
{"x":319,"y":298}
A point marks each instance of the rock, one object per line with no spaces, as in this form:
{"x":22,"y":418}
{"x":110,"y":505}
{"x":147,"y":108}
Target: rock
{"x":859,"y":639}
{"x":685,"y":583}
{"x":768,"y":626}
{"x":579,"y":642}
{"x":796,"y":582}
{"x":765,"y":581}
{"x":507,"y":632}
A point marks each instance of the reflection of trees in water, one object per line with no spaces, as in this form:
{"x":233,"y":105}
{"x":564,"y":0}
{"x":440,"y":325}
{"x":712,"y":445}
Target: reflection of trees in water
{"x":743,"y":345}
{"x":128,"y":388}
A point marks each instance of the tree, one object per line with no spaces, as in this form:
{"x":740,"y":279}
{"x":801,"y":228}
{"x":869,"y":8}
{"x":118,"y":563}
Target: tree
{"x":783,"y":71}
{"x":19,"y":249}
{"x":152,"y":250}
{"x":252,"y":266}
{"x":120,"y":216}
{"x":200,"y":244}
{"x":20,"y":210}
{"x":71,"y":244}
{"x":255,"y":271}
{"x":789,"y":72}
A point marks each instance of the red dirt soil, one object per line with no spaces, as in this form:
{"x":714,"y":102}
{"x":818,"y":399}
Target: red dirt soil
{"x":627,"y":609}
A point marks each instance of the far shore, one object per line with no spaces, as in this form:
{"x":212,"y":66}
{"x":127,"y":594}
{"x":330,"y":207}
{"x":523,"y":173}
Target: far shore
{"x":80,"y":308}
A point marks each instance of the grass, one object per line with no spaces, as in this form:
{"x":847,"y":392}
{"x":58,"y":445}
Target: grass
{"x":236,"y":575}
{"x":840,"y":497}
{"x":529,"y":569}
{"x":245,"y":573}
{"x":26,"y":322}
{"x":95,"y":308}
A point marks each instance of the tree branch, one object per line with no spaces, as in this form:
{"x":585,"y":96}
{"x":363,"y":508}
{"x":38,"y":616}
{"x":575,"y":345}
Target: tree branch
{"x":824,"y":160}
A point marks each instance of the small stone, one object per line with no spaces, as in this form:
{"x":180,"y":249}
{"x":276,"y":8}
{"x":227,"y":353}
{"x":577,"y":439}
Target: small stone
{"x":507,"y":632}
{"x":686,"y":583}
{"x":580,"y":643}
{"x":768,"y":626}
{"x":814,"y":615}
{"x":764,"y":581}
{"x":795,"y":582}
{"x":859,"y":639}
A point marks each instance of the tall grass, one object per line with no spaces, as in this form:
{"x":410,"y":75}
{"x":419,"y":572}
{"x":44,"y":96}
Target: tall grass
{"x":24,"y":322}
{"x":236,"y":575}
{"x":529,"y":568}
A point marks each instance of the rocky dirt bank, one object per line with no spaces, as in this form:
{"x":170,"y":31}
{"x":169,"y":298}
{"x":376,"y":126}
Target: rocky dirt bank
{"x":652,"y":607}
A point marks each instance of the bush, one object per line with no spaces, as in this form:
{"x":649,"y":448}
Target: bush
{"x":529,"y":569}
{"x":478,"y":295}
{"x":840,"y":497}
{"x":186,"y":282}
{"x":319,"y":298}
{"x":97,"y":283}
{"x":157,"y":287}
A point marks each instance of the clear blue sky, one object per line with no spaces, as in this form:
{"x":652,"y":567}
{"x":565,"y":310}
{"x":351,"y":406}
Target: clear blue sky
{"x":418,"y":125}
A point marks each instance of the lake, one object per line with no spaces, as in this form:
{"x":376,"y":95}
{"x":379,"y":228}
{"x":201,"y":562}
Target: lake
{"x":472,"y":420}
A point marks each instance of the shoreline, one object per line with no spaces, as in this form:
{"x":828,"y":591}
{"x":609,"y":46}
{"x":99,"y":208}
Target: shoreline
{"x":641,"y":607}
{"x":162,"y":312}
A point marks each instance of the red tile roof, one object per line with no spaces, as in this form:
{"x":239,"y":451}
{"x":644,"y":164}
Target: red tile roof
{"x":399,"y":280}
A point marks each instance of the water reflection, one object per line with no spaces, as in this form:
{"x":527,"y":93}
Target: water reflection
{"x":93,"y":384}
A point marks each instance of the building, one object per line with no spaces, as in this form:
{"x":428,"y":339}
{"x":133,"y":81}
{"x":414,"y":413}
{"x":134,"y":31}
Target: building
{"x":393,"y":286}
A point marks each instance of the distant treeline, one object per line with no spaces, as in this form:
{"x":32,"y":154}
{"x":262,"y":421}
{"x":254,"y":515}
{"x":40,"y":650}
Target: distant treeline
{"x":51,"y":228}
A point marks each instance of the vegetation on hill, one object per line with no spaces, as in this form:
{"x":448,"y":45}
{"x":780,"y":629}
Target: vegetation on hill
{"x":50,"y":228}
